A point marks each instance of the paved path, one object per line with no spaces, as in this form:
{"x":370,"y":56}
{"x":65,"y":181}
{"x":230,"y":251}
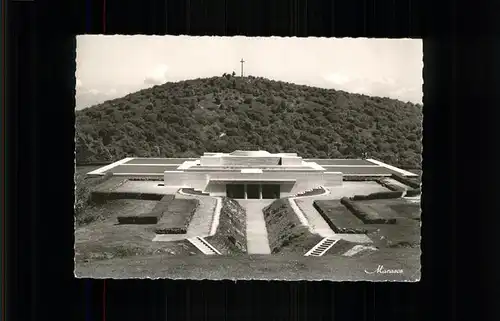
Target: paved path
{"x":257,"y":241}
{"x":318,"y":224}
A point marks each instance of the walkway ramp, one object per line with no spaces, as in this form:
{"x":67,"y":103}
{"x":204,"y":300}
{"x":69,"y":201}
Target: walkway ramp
{"x":257,"y":241}
{"x":318,"y":224}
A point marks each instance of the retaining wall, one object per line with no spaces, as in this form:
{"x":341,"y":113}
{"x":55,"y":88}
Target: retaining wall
{"x":200,"y":180}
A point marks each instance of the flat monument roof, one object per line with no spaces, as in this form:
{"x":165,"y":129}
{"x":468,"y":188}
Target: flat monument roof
{"x":138,"y":166}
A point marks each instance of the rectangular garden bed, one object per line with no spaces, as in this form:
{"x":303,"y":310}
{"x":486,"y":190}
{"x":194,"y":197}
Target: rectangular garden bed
{"x":177,"y":216}
{"x":338,"y":217}
{"x":143,"y":218}
{"x":366,"y":214}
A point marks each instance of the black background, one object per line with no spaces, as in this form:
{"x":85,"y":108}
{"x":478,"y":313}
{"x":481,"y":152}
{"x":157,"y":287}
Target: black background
{"x":460,"y":209}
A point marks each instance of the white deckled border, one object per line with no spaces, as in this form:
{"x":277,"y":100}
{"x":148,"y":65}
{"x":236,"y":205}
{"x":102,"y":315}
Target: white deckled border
{"x":102,"y":170}
{"x":399,"y":170}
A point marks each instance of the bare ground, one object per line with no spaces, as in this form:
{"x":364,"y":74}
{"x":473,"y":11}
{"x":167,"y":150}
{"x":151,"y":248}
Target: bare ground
{"x":285,"y":231}
{"x":393,"y":208}
{"x":261,"y":267}
{"x":104,"y":249}
{"x":338,"y":217}
{"x":105,"y":239}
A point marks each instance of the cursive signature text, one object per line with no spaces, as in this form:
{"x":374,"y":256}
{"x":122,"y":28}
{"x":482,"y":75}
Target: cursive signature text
{"x":381,"y":270}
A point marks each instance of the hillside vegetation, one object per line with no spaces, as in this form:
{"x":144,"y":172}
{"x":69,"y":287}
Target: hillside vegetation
{"x":187,"y":118}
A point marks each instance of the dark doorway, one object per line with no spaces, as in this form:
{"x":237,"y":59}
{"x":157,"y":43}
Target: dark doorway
{"x":236,"y":191}
{"x":270,"y":191}
{"x":253,"y":191}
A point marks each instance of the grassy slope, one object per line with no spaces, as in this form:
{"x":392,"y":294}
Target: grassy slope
{"x":405,"y":233}
{"x":260,"y":267}
{"x":284,"y":230}
{"x":185,"y":119}
{"x":338,"y":217}
{"x":103,"y":239}
{"x":230,"y":237}
{"x":177,"y":216}
{"x":83,"y":189}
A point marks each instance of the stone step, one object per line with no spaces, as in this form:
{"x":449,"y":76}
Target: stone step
{"x":202,"y":245}
{"x":322,"y":247}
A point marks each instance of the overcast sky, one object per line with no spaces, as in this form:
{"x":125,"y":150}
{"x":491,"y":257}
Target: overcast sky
{"x":113,"y":66}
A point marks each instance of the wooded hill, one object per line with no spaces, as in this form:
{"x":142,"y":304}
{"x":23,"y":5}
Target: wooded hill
{"x":187,"y":118}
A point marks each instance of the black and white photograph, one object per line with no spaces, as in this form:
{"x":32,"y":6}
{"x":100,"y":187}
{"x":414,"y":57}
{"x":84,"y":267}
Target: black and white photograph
{"x":248,"y":158}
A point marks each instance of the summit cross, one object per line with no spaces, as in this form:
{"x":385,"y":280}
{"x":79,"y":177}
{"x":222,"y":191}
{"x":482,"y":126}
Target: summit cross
{"x":242,"y":62}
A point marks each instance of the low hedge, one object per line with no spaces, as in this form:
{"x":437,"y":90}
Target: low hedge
{"x":148,"y":178}
{"x":368,"y":216}
{"x":378,"y":195}
{"x":406,"y":180}
{"x":337,"y":229}
{"x":413,"y":192}
{"x":390,"y":186}
{"x":355,"y":178}
{"x":170,"y":230}
{"x":177,"y":216}
{"x":100,"y":197}
{"x":145,"y":218}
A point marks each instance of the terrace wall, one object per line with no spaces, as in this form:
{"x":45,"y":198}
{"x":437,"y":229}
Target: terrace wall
{"x":235,"y":160}
{"x":200,"y":180}
{"x":142,"y":169}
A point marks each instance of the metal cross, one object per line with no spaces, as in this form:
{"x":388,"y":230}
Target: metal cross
{"x":242,"y":62}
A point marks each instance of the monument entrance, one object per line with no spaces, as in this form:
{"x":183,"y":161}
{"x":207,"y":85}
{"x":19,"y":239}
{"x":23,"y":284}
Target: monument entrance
{"x":236,"y":191}
{"x":270,"y":191}
{"x":253,"y":191}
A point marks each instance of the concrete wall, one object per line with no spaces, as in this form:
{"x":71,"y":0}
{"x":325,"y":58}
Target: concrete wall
{"x":268,"y":168}
{"x":359,"y":170}
{"x":142,"y":169}
{"x":353,"y":161}
{"x":291,"y":160}
{"x":210,"y":160}
{"x":216,"y":189}
{"x":303,"y":181}
{"x":241,"y":160}
{"x":159,"y":160}
{"x":332,"y":179}
{"x":180,"y":178}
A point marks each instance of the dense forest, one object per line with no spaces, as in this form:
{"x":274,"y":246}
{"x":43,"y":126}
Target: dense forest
{"x":187,"y":118}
